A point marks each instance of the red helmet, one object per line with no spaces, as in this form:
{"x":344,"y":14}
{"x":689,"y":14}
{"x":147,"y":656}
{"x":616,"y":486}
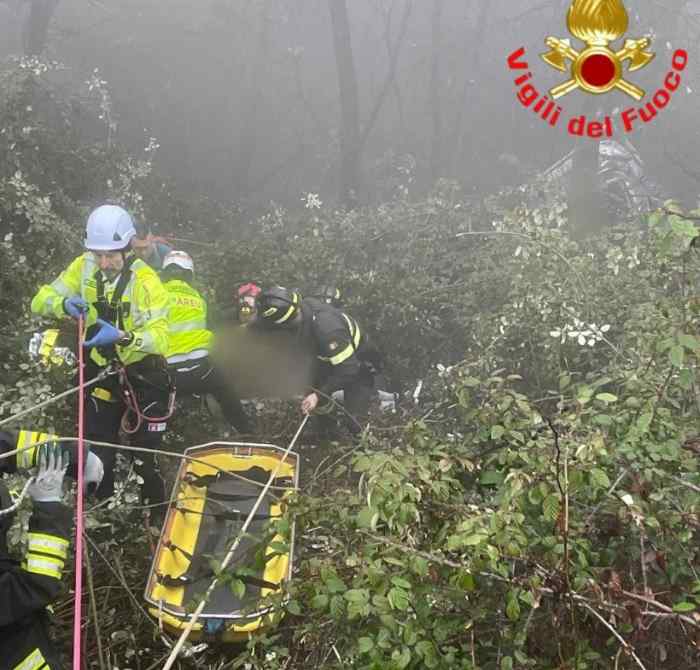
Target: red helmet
{"x":250,"y":289}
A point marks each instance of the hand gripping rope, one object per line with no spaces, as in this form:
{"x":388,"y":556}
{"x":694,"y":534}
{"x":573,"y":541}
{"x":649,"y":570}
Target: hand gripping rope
{"x":77,"y":617}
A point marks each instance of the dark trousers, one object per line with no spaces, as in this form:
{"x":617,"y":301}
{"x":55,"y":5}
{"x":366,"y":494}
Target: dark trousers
{"x":358,"y":392}
{"x":199,"y":376}
{"x":104,"y":409}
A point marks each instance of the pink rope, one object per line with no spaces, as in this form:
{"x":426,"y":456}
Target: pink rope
{"x":77,"y":617}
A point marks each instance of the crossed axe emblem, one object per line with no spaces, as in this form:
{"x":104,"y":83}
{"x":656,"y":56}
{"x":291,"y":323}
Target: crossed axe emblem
{"x":597,"y":69}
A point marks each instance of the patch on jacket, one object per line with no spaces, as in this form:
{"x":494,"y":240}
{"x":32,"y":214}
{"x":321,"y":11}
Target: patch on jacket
{"x":333,"y":346}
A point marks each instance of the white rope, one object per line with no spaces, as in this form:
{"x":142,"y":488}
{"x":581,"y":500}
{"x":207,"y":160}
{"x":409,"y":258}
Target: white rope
{"x":195,"y":616}
{"x":161,"y":452}
{"x":55,"y":398}
{"x":18,"y":502}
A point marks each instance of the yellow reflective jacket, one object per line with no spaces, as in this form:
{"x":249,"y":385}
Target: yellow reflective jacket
{"x":187,"y":322}
{"x":143,"y":307}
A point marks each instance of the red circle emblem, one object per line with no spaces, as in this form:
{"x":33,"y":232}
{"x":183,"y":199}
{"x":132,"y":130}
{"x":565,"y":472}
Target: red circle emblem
{"x":598,"y":70}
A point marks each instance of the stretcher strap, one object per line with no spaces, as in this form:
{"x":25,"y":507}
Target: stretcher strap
{"x":184,"y":580}
{"x":233,"y":515}
{"x":209,"y":480}
{"x":173,"y":547}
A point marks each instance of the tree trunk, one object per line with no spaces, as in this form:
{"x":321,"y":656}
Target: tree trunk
{"x":435,"y":97}
{"x":250,"y":114}
{"x":349,"y":105}
{"x":469,"y":104}
{"x":36,"y":27}
{"x":588,"y":214}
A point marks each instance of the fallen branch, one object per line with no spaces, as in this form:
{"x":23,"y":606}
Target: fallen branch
{"x":625,"y":645}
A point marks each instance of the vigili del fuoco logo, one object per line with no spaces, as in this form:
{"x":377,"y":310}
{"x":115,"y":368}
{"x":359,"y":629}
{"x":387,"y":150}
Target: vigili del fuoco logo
{"x":596,"y":69}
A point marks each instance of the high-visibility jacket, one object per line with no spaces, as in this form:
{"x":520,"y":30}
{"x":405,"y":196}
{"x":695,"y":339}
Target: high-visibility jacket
{"x":141,"y":309}
{"x":188,"y":335}
{"x":27,"y":589}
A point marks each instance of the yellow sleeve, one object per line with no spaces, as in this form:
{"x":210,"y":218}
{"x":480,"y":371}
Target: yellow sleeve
{"x":49,"y":299}
{"x":149,"y":315}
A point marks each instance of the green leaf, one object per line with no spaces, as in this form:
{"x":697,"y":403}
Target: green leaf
{"x":398,"y":599}
{"x":335,"y":585}
{"x":426,"y":650}
{"x":491,"y":478}
{"x":465,"y":581}
{"x":357,"y":596}
{"x":281,"y":548}
{"x":400,"y":581}
{"x":599,"y":478}
{"x":686,"y":379}
{"x":294,"y":608}
{"x":337,"y":607}
{"x":550,"y":507}
{"x":585,"y":393}
{"x":644,"y":421}
{"x":319,"y":601}
{"x":655,"y":218}
{"x":365,"y":645}
{"x":237,"y":588}
{"x":403,"y":659}
{"x":364,"y":518}
{"x":513,"y":609}
{"x":677,"y":355}
{"x":507,"y":663}
{"x":607,"y":398}
{"x":684,"y":607}
{"x":497,"y":432}
{"x":689,"y":342}
{"x":473,"y":540}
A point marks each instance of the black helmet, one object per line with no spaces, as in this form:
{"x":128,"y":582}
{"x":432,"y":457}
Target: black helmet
{"x":330,"y":294}
{"x":278,"y":305}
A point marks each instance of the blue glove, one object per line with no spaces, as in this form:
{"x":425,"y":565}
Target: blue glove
{"x":106,"y":335}
{"x":75,"y":306}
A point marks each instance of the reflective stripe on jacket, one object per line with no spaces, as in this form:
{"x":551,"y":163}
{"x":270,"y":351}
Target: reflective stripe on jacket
{"x":26,"y":591}
{"x":143,"y":305}
{"x":187,"y":320}
{"x":335,"y":339}
{"x":26,"y":443}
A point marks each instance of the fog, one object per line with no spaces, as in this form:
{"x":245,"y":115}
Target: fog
{"x":244,"y":97}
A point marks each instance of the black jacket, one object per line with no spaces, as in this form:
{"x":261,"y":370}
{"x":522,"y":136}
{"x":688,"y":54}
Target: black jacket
{"x":27,"y":589}
{"x":340,"y":347}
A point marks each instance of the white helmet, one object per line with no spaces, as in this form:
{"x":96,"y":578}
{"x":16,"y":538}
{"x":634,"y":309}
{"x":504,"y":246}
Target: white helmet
{"x":180,"y":258}
{"x":109,"y":228}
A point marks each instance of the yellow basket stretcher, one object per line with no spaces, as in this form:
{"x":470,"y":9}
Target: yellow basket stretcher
{"x":211,"y":500}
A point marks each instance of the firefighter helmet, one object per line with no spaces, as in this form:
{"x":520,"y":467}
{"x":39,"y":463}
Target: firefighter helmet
{"x":109,"y":228}
{"x":278,"y":305}
{"x":180,"y":258}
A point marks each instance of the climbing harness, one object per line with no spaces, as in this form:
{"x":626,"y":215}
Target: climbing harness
{"x":133,"y":407}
